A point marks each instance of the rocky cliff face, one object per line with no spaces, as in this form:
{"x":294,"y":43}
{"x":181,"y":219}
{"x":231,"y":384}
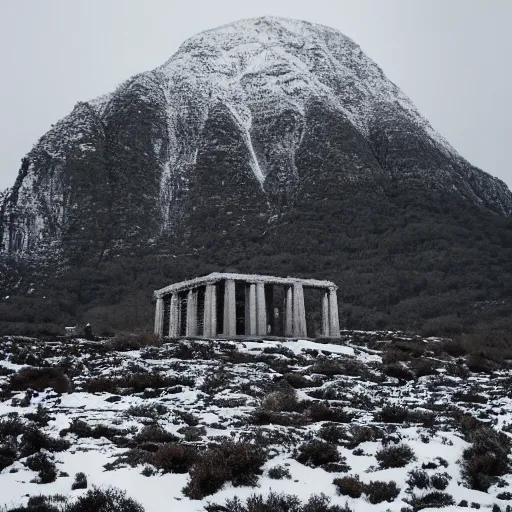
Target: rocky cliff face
{"x":241,"y":125}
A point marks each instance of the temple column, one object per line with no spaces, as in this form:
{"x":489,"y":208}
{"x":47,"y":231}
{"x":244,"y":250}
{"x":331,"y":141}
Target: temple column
{"x":229,"y":308}
{"x":288,"y":312}
{"x":250,"y":310}
{"x":269,"y":303}
{"x":299,"y":312}
{"x":326,"y":330}
{"x":210,"y":311}
{"x":261,"y":310}
{"x":159,"y":317}
{"x":174,"y":317}
{"x":334,"y":319}
{"x":191,"y":329}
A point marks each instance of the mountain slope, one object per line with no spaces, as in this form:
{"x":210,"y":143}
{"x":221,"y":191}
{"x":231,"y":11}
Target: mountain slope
{"x":255,"y":132}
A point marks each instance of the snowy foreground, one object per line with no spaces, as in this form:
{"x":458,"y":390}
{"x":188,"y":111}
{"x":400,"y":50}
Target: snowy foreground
{"x":359,"y":398}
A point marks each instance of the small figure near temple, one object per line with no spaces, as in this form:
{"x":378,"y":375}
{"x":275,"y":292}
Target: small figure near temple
{"x":229,"y":305}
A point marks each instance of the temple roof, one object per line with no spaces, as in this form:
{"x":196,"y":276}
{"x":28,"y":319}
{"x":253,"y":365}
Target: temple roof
{"x":249,"y":278}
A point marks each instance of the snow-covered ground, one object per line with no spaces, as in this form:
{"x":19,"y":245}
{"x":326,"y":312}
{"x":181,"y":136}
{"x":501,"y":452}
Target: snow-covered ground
{"x":205,"y":391}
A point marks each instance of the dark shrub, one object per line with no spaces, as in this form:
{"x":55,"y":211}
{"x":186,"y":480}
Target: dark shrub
{"x":453,"y":348}
{"x":418,"y":478}
{"x":192,"y":434}
{"x":146,"y":410}
{"x":155,"y":434}
{"x":275,"y":502}
{"x":478,"y":363}
{"x":422,"y":367}
{"x":279,"y":472}
{"x":47,"y":471}
{"x":82,"y":429}
{"x":395,"y":456}
{"x":504,"y":495}
{"x":41,"y":417}
{"x":8,"y":454}
{"x":11,"y":426}
{"x":349,"y":486}
{"x":392,"y":414}
{"x":397,"y":371}
{"x":174,"y":458}
{"x":440,"y":481}
{"x":215,"y":381}
{"x":34,"y":440}
{"x":434,"y":499}
{"x":38,"y":504}
{"x":486,"y":458}
{"x":104,"y":500}
{"x":299,"y":381}
{"x":377,"y":492}
{"x":332,"y":433}
{"x":101,"y":385}
{"x":363,"y":434}
{"x":80,"y":482}
{"x":140,"y":381}
{"x":283,"y":400}
{"x":318,"y":411}
{"x":39,"y":379}
{"x":239,"y":463}
{"x":471,"y":397}
{"x":128,"y":341}
{"x":317,"y":453}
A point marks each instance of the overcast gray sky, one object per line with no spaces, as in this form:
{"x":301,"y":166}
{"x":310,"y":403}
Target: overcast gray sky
{"x":451,"y":57}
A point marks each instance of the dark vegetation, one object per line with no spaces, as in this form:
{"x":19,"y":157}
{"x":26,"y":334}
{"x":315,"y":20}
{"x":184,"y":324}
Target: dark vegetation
{"x":375,"y":491}
{"x":39,"y":379}
{"x":97,"y":499}
{"x":18,"y":440}
{"x":487,"y":457}
{"x":427,"y":262}
{"x":235,"y":462}
{"x":275,"y":502}
{"x":395,"y":456}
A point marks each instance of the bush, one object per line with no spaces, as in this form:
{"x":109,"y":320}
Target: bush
{"x":80,"y":482}
{"x":275,"y":502}
{"x":418,"y":478}
{"x":363,"y":434}
{"x":104,"y":500}
{"x":129,"y":341}
{"x":34,"y":440}
{"x":321,"y":412}
{"x":377,"y":492}
{"x":395,"y":456}
{"x":349,"y":486}
{"x":440,"y":481}
{"x":155,"y":434}
{"x":284,"y":400}
{"x":434,"y":499}
{"x":40,"y":379}
{"x":486,"y":458}
{"x":397,"y":371}
{"x":279,"y":472}
{"x":317,"y":453}
{"x":238,"y":462}
{"x":47,"y":471}
{"x":332,"y":433}
{"x":393,"y":414}
{"x":174,"y":458}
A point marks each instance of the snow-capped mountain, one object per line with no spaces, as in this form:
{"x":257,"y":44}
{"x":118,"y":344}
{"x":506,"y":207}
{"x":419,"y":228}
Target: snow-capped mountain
{"x":248,"y":120}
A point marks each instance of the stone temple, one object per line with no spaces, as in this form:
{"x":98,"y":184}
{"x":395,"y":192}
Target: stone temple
{"x":230,"y":305}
